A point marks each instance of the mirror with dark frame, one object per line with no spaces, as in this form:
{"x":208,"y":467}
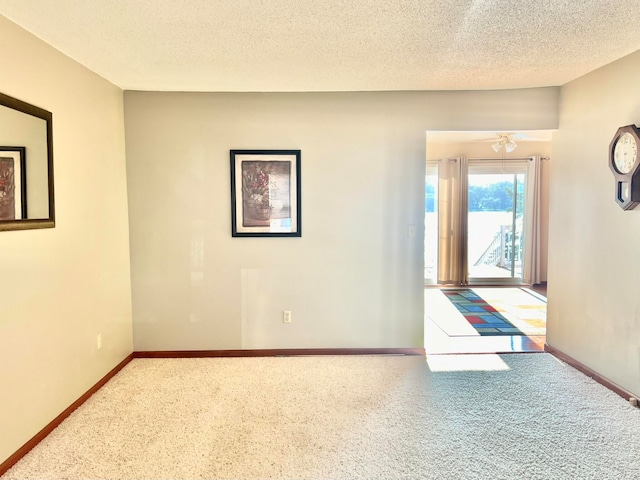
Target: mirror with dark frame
{"x":26,"y":166}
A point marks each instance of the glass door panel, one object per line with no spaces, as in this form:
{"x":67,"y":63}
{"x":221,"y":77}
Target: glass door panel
{"x":495,"y":223}
{"x":431,"y":226}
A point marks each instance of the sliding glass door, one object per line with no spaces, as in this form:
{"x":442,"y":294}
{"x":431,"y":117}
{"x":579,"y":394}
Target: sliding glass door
{"x":475,"y":221}
{"x":495,"y":222}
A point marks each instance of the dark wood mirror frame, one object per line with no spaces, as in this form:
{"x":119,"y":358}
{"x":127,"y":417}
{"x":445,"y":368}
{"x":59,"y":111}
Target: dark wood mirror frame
{"x":28,"y":109}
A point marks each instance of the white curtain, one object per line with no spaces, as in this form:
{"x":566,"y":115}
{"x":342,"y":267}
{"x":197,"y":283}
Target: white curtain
{"x":532,"y":250}
{"x":463,"y":238}
{"x":451,"y":217}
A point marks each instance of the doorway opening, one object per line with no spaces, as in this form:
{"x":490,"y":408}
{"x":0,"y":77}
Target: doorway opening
{"x":485,"y":217}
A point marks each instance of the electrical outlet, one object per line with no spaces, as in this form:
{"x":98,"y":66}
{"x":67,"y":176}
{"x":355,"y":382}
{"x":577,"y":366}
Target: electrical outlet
{"x":286,"y":316}
{"x":99,"y":341}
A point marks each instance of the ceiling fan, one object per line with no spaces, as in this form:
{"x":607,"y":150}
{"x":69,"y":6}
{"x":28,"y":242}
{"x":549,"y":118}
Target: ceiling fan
{"x":505,"y":140}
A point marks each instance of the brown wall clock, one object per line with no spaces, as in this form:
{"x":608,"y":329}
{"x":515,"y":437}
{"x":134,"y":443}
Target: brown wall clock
{"x":625,"y":165}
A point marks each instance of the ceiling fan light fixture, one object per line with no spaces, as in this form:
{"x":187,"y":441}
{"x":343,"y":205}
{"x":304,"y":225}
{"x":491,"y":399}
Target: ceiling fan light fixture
{"x":506,"y":141}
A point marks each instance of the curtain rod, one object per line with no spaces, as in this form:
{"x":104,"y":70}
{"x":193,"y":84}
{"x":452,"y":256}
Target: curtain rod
{"x":454,"y":160}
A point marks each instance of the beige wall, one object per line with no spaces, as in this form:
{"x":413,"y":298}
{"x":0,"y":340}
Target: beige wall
{"x":594,"y":249}
{"x":436,"y":151}
{"x":354,"y":279}
{"x":61,"y":287}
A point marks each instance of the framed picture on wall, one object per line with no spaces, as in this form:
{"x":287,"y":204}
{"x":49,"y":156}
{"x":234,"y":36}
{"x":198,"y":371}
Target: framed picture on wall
{"x":13,"y":183}
{"x":265,"y":193}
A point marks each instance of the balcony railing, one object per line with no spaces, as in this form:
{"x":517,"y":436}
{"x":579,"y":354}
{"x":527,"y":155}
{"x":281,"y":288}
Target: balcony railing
{"x":500,"y":252}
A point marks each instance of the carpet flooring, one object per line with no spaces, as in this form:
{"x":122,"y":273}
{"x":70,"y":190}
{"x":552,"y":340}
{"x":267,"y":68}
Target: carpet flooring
{"x":525,"y":416}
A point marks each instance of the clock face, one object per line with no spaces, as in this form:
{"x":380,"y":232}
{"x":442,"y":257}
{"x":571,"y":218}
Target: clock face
{"x":625,"y":153}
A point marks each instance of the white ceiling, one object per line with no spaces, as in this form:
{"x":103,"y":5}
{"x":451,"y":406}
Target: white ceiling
{"x":334,"y":45}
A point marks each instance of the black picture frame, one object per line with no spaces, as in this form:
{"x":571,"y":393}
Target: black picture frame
{"x":265,"y":193}
{"x":13,"y":189}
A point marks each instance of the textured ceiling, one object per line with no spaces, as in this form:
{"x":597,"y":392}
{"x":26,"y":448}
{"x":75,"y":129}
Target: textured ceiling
{"x":334,"y":45}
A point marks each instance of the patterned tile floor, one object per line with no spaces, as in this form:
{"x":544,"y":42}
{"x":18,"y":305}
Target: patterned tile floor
{"x":439,"y":342}
{"x":480,"y":314}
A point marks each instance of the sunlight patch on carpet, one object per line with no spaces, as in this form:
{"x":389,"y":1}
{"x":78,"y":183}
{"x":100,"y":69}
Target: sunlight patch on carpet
{"x":466,"y":363}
